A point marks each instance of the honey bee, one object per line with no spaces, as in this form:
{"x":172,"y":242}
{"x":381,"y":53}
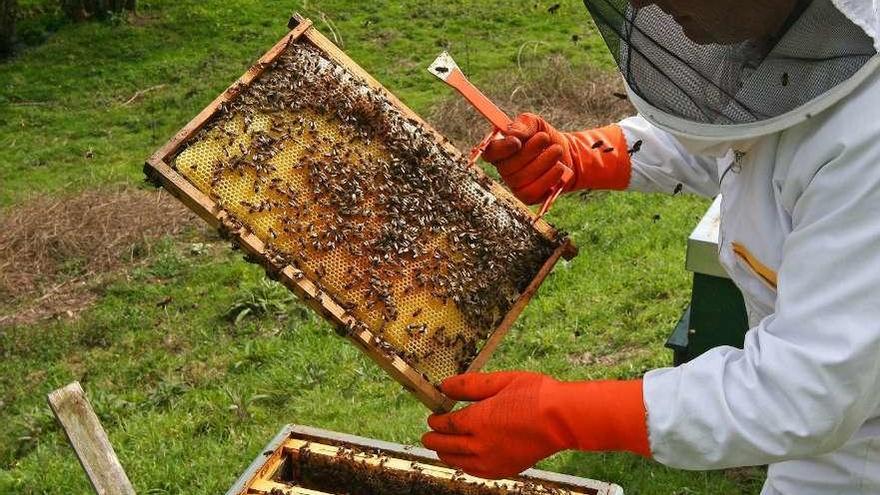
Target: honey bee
{"x":635,"y":148}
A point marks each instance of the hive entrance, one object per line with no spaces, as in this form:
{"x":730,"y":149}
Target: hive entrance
{"x":367,"y":205}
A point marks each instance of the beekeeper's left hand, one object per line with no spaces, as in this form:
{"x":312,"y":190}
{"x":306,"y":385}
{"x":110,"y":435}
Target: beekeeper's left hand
{"x":519,"y":418}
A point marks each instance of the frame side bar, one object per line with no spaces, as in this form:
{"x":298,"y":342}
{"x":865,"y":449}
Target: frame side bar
{"x":199,"y":121}
{"x":514,"y":312}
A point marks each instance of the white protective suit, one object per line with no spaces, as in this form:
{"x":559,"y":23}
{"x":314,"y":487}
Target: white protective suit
{"x":800,"y":236}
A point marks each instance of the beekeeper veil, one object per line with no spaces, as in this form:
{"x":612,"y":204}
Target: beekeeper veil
{"x":734,"y":69}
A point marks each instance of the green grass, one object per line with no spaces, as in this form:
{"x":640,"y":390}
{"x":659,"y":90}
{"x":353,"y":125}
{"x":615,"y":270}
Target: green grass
{"x":62,"y":122}
{"x":188,"y":395}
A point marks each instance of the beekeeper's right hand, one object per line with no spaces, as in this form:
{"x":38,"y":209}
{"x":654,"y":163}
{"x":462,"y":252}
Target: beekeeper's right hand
{"x":531,"y":155}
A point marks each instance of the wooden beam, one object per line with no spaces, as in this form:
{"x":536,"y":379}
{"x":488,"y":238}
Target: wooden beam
{"x":89,"y":441}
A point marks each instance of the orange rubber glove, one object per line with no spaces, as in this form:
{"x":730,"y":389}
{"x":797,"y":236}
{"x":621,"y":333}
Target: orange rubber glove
{"x":523,"y":417}
{"x":528,"y":158}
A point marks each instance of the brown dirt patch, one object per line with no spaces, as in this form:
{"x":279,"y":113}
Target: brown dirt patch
{"x":54,"y":250}
{"x":609,"y":359}
{"x":141,"y":19}
{"x":746,"y":477}
{"x":569,"y":97}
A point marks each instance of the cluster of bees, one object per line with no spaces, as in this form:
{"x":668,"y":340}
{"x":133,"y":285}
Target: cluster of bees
{"x":370,"y":206}
{"x":352,"y":470}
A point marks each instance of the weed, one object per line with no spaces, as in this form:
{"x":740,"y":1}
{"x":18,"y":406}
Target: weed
{"x":241,"y":404}
{"x":267,"y":298}
{"x":94,"y":336}
{"x":313,"y":376}
{"x":168,"y":264}
{"x":31,"y":426}
{"x":198,"y":249}
{"x":251,"y":357}
{"x":166,"y":394}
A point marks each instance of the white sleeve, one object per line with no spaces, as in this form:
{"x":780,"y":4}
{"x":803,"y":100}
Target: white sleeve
{"x":661,"y":163}
{"x":809,"y":374}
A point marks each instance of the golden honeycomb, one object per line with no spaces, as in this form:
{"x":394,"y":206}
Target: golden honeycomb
{"x":341,"y":185}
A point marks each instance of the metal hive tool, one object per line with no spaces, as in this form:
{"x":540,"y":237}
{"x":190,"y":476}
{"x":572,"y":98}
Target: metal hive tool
{"x":343,"y":194}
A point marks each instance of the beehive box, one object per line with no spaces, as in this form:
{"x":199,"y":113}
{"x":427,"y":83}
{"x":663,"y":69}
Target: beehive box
{"x":343,"y":194}
{"x":302,"y":460}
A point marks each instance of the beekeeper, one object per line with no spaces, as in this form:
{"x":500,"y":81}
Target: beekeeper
{"x":775,"y":106}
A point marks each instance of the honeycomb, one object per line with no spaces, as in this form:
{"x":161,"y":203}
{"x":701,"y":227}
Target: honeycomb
{"x":341,"y":185}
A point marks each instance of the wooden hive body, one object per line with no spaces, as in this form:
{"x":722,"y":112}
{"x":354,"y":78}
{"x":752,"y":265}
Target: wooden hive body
{"x":348,"y":198}
{"x":302,"y":460}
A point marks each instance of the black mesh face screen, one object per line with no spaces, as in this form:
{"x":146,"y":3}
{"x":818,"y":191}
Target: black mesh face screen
{"x":738,"y":83}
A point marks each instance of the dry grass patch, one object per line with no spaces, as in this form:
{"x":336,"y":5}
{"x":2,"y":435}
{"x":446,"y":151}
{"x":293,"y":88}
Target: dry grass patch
{"x":610,"y":358}
{"x":52,"y":250}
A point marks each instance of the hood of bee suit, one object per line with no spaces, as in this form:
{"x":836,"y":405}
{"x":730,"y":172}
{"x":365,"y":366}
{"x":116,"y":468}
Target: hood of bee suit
{"x":712,"y":94}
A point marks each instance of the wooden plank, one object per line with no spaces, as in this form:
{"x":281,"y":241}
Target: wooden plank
{"x":272,"y":464}
{"x":89,"y":440}
{"x":510,"y":318}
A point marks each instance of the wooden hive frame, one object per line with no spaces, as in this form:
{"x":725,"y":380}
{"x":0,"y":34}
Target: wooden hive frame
{"x":159,"y":171}
{"x":268,"y":471}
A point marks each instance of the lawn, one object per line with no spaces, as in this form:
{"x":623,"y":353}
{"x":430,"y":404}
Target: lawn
{"x":188,"y":395}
